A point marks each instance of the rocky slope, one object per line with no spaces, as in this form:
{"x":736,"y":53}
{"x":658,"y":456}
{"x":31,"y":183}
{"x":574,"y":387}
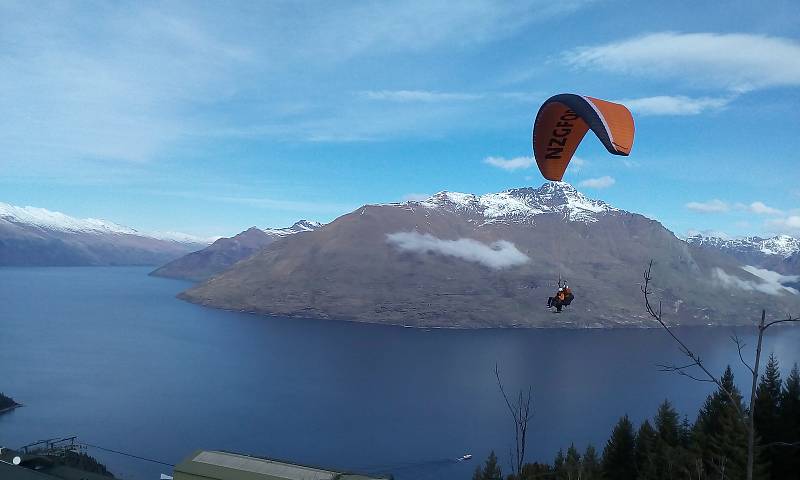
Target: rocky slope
{"x":31,"y":236}
{"x":223,"y":253}
{"x":461,"y":260}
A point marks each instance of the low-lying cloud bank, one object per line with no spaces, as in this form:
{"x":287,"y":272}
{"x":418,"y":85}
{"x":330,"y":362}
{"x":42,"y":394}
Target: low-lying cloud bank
{"x":501,"y":254}
{"x":772,"y":282}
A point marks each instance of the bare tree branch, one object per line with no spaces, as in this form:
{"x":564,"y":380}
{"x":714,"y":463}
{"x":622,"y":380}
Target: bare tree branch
{"x":521,"y":413}
{"x":787,"y":319}
{"x":747,"y":417}
{"x":739,"y":346}
{"x":657,"y":316}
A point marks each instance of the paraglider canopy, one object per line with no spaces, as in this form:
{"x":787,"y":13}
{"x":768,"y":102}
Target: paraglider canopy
{"x":564,"y":119}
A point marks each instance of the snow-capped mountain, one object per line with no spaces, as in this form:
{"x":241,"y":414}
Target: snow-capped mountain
{"x":224,"y":252}
{"x":522,"y":204}
{"x":37,"y":236}
{"x":781,"y":245}
{"x":780,"y":253}
{"x":297,"y":227}
{"x":52,"y":221}
{"x":59,"y":222}
{"x":463,"y":260}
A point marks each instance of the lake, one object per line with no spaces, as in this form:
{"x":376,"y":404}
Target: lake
{"x":110,"y":355}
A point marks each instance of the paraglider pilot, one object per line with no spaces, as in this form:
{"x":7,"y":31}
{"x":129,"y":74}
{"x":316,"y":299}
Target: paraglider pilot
{"x":562,"y":298}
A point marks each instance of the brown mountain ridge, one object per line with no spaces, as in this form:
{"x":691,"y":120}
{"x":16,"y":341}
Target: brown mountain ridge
{"x":466,"y":261}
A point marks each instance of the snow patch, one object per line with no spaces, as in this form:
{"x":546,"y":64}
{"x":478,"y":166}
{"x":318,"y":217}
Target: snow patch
{"x":298,"y":227}
{"x":58,"y":222}
{"x":783,"y":245}
{"x":522,"y":204}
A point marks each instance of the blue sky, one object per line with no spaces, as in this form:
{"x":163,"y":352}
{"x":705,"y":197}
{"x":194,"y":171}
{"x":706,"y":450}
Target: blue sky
{"x":208,"y":118}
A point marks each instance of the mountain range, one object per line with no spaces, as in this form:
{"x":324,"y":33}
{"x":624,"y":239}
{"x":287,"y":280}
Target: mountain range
{"x":31,"y":236}
{"x":470,"y":261}
{"x":224,"y":252}
{"x":780,"y":254}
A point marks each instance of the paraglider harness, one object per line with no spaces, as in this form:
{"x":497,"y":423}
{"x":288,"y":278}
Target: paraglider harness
{"x":563,"y":291}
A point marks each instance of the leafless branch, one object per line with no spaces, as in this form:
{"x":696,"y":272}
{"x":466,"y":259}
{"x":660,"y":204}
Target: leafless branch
{"x":521,"y":413}
{"x":739,"y":346}
{"x":673,"y":368}
{"x":787,"y":319}
{"x":658,"y":317}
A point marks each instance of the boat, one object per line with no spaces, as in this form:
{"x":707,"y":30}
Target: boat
{"x":465,"y":457}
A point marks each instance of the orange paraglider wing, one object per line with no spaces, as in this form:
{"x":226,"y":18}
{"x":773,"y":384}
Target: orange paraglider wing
{"x":563,"y":121}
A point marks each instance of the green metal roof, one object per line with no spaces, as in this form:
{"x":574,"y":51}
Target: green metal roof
{"x":218,"y":465}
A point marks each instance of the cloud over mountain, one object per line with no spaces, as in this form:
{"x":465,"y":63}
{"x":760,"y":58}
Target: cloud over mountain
{"x":500,"y":254}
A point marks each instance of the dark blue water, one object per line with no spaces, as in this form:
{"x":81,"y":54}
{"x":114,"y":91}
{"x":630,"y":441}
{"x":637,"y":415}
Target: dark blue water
{"x":110,"y":355}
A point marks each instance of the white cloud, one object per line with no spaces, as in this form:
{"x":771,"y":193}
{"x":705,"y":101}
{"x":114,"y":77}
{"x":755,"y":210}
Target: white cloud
{"x":673,"y":105}
{"x":419,"y":96}
{"x":761,"y":209}
{"x":711,"y":206}
{"x":773,"y":278}
{"x":630,"y":163}
{"x":509,"y":164}
{"x":771,"y":282}
{"x":501,"y":254}
{"x":790,"y":224}
{"x":137,"y":82}
{"x":734,"y":61}
{"x":576,"y":164}
{"x":601,"y":182}
{"x":415,"y":197}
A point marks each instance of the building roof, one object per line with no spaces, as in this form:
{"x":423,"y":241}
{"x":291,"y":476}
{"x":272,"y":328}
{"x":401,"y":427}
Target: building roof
{"x":233,"y":466}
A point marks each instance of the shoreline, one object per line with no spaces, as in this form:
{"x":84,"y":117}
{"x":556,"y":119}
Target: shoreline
{"x":11,"y":408}
{"x":555,"y":326}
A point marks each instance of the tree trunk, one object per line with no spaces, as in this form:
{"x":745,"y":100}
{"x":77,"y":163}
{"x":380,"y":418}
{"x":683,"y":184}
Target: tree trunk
{"x":751,"y":430}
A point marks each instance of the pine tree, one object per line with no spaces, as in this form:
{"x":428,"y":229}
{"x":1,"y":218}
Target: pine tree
{"x":720,"y":434}
{"x":686,"y":433}
{"x":572,"y":463}
{"x":590,"y":464}
{"x":558,"y":464}
{"x":672,"y":459}
{"x":535,"y":471}
{"x":767,"y":422}
{"x":491,"y":470}
{"x":667,"y":424}
{"x":645,"y":451}
{"x":477,"y":474}
{"x":619,"y":459}
{"x":787,"y":459}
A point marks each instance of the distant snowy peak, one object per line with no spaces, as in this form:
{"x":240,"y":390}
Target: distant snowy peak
{"x":57,"y":221}
{"x":181,"y":237}
{"x":522,"y":204}
{"x":299,"y":226}
{"x":782,"y":245}
{"x":44,"y":219}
